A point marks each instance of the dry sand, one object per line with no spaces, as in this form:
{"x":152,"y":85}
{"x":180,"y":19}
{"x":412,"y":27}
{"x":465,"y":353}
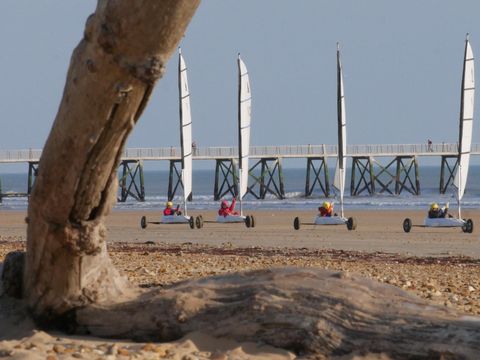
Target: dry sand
{"x":437,"y":264}
{"x":376,"y":231}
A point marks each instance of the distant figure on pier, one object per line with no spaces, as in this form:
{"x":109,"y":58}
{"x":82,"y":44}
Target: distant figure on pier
{"x":437,"y":212}
{"x":194,"y":148}
{"x":225,"y":209}
{"x":169,"y":210}
{"x":326,"y":210}
{"x":429,"y":145}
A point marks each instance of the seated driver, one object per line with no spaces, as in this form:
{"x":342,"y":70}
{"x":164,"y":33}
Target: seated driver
{"x":326,"y":210}
{"x":225,"y":209}
{"x":169,"y":210}
{"x":436,"y":212}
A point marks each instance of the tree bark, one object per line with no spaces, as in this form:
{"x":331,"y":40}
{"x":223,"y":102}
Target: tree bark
{"x":112,"y":72}
{"x":315,"y":313}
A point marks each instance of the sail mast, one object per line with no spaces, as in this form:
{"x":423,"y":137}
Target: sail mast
{"x":466,"y":122}
{"x":185,"y":129}
{"x":244,"y":118}
{"x":339,"y":181}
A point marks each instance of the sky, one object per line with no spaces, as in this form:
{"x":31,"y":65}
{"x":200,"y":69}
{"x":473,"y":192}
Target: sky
{"x":402,"y":65}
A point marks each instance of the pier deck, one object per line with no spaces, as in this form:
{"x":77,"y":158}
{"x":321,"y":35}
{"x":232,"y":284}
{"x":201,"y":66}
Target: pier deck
{"x":258,"y":152}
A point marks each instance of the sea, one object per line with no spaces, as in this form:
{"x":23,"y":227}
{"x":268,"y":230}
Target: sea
{"x":156,"y":185}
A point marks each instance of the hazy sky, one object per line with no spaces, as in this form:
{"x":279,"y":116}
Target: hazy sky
{"x":402,"y":70}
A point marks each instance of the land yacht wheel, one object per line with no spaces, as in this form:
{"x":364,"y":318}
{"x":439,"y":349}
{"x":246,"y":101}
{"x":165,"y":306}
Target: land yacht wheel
{"x":191,"y":222}
{"x":252,"y":221}
{"x":199,"y":221}
{"x":351,"y":223}
{"x":407,"y":225}
{"x":296,"y":223}
{"x":469,"y":226}
{"x":248,"y":221}
{"x":143,"y":222}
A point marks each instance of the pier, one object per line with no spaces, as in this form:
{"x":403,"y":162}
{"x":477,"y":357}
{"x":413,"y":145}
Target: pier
{"x":375,"y":168}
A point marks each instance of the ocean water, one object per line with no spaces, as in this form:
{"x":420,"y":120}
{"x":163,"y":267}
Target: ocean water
{"x":156,"y":184}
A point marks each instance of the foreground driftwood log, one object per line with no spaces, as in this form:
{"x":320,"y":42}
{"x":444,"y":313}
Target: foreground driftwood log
{"x":68,"y":277}
{"x":312,"y":312}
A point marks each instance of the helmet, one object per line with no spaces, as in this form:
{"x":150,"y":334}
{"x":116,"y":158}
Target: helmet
{"x":224,"y":204}
{"x":434,"y":206}
{"x":169,"y":204}
{"x":326,"y":204}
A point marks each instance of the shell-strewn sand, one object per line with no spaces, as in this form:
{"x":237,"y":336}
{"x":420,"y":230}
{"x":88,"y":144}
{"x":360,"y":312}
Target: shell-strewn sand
{"x":441,"y":265}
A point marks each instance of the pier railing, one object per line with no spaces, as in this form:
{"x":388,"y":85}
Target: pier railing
{"x":19,"y":155}
{"x":284,"y":151}
{"x":300,"y":151}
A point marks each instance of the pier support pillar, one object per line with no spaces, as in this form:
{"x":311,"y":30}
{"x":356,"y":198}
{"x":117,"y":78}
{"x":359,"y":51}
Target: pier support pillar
{"x":405,"y":180}
{"x":400,"y":174}
{"x":363,"y":167}
{"x":32,"y":175}
{"x":226,"y":178}
{"x":384,"y":178}
{"x":320,"y":176}
{"x":447,"y":172}
{"x":268,"y":175}
{"x":132,"y":181}
{"x":175,"y":179}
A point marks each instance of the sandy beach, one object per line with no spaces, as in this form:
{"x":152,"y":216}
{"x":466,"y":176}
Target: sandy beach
{"x":377,"y":231}
{"x":440,"y":265}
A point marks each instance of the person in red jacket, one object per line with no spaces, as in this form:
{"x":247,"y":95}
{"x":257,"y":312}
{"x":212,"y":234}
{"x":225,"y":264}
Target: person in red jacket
{"x":326,"y":210}
{"x":227,"y":210}
{"x":169,"y":210}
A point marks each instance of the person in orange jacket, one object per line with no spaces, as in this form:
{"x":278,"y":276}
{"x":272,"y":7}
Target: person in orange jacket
{"x":227,"y":210}
{"x":169,"y":210}
{"x":326,"y":210}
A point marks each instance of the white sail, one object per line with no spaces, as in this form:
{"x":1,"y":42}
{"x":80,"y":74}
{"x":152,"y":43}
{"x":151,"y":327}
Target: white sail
{"x":339,"y":180}
{"x":244,"y":117}
{"x":185,"y":128}
{"x":466,"y":121}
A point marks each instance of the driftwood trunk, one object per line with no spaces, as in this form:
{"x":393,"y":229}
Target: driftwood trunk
{"x":314,"y":313}
{"x":68,"y":275}
{"x":112,"y":72}
{"x":311,"y":312}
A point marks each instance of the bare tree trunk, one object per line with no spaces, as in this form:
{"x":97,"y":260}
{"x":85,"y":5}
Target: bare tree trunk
{"x":112,"y":72}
